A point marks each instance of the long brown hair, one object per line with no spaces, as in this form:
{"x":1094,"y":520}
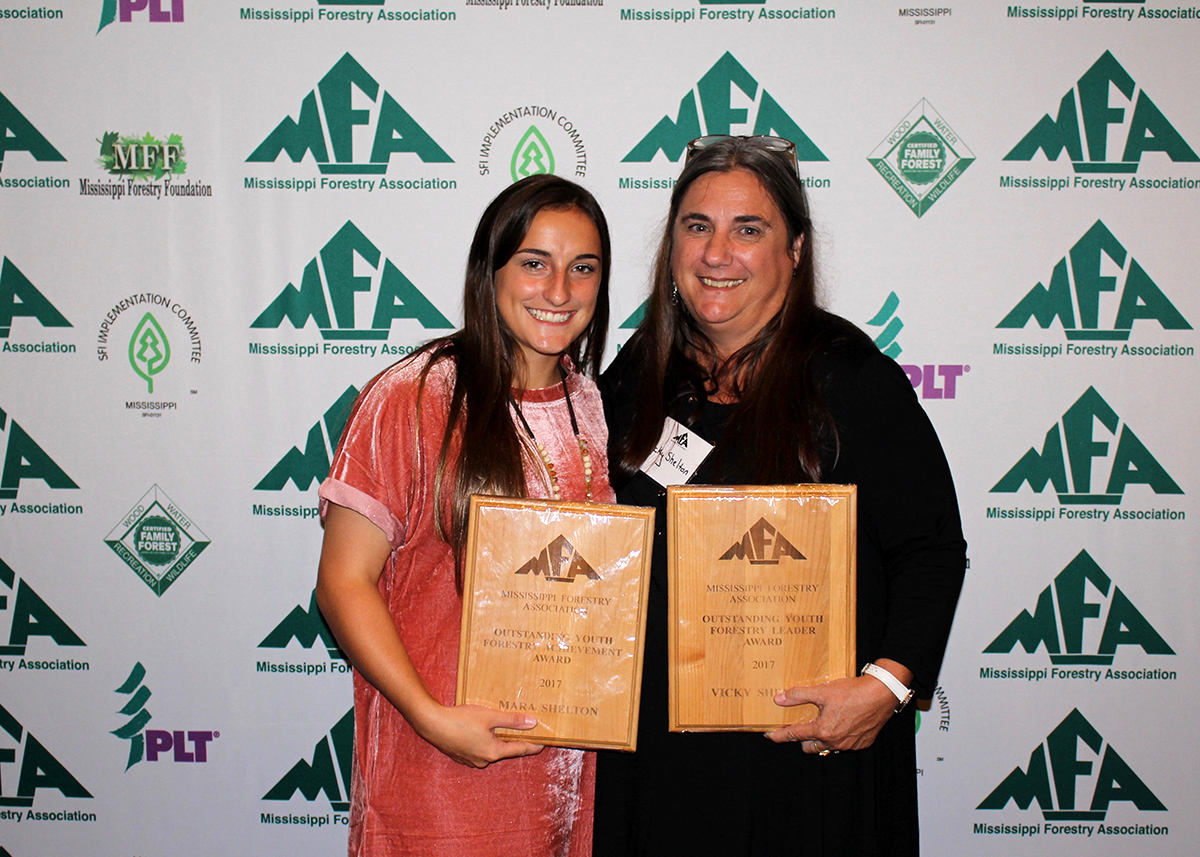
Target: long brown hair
{"x":481,"y":450}
{"x":771,"y":377}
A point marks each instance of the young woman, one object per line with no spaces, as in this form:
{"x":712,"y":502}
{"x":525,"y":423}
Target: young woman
{"x":500,"y":407}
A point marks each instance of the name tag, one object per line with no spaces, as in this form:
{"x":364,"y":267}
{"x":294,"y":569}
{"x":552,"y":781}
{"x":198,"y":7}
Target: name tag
{"x":676,"y":455}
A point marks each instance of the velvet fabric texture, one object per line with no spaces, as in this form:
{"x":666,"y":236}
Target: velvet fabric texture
{"x":407,"y":798}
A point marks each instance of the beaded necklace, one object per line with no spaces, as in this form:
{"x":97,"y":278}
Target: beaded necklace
{"x":555,"y":492}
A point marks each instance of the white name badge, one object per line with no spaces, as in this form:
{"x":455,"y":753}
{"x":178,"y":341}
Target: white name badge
{"x":676,"y":455}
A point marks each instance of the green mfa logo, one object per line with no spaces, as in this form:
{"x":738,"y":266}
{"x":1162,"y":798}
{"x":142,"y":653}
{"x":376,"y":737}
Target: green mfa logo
{"x":1055,"y":772}
{"x":157,"y":540}
{"x":711,"y":102}
{"x":1086,"y":114}
{"x":17,"y":134}
{"x":921,"y":157}
{"x":312,"y":465}
{"x":305,"y":627}
{"x":532,"y":156}
{"x":1073,"y":441}
{"x":146,"y":158}
{"x":1074,"y":295}
{"x":335,"y":120}
{"x":329,"y":771}
{"x":19,"y":298}
{"x":24,"y":459}
{"x":31,"y":617}
{"x":1060,"y":623}
{"x":149,"y":350}
{"x":37,"y":767}
{"x":329,"y":283}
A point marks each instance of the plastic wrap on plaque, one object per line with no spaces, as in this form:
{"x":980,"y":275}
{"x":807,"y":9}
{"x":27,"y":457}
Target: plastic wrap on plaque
{"x":762,"y":598}
{"x":554,"y":617}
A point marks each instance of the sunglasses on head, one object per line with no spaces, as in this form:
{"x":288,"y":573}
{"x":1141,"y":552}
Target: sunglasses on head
{"x":763,"y":142}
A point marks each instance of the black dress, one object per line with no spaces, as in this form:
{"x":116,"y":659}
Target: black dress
{"x":734,"y":794}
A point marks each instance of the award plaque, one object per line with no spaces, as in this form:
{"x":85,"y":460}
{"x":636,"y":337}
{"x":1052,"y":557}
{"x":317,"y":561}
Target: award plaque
{"x":762,"y":598}
{"x":554,"y":617}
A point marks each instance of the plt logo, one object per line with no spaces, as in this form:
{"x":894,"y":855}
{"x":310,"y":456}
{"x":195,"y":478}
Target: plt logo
{"x":24,"y":459}
{"x":37,"y":769}
{"x":1071,"y":784}
{"x":17,"y":134}
{"x":30,"y":617}
{"x":158,"y":11}
{"x":930,"y":380}
{"x":559,"y":561}
{"x":1074,"y":297}
{"x":329,"y":283}
{"x":762,"y":545}
{"x":335,"y":119}
{"x":312,"y":465}
{"x":1072,"y":441}
{"x":20,"y":298}
{"x":157,"y":540}
{"x":150,"y":744}
{"x":1081,"y":601}
{"x":921,"y":157}
{"x":1086,"y":114}
{"x":711,"y":102}
{"x":328,"y":773}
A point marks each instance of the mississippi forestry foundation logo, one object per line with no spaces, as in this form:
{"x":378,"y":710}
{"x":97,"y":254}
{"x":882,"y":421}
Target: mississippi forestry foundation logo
{"x":762,"y":545}
{"x":709,"y":108}
{"x":1086,"y":114}
{"x":144,"y":167}
{"x":547,"y":141}
{"x":151,"y":745}
{"x":36,"y":769}
{"x":1075,"y":776}
{"x":921,"y":158}
{"x":334,"y":119}
{"x":157,"y":11}
{"x":1081,"y":601}
{"x":23,"y":460}
{"x":30,"y":616}
{"x":1075,"y":297}
{"x":17,"y":134}
{"x":157,"y":540}
{"x":559,"y":561}
{"x":304,"y":468}
{"x":930,"y":380}
{"x":327,"y":774}
{"x":327,"y":296}
{"x":19,"y":298}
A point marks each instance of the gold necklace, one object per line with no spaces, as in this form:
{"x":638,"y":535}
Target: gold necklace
{"x":585,"y":457}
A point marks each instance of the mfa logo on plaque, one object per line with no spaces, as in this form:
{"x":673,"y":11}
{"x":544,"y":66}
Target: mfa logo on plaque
{"x":762,"y":545}
{"x":559,"y":561}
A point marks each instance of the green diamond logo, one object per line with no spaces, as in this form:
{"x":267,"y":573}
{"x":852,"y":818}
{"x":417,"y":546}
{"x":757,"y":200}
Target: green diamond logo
{"x":532,"y":156}
{"x":921,"y":158}
{"x":157,"y":540}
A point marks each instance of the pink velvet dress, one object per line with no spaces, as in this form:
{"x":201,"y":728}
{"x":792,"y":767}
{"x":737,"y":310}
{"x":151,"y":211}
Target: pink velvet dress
{"x":407,"y":798}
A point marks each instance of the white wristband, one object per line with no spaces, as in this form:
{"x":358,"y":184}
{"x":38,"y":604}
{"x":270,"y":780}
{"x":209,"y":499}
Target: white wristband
{"x":903,"y":694}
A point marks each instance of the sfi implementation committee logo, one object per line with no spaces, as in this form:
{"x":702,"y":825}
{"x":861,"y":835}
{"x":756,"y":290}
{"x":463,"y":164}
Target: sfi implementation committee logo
{"x":157,"y":540}
{"x":921,"y":157}
{"x":1086,"y":115}
{"x":333,"y":118}
{"x":533,"y":153}
{"x":1075,"y":776}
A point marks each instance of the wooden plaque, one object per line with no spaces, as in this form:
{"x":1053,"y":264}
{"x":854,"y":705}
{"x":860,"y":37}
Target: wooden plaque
{"x":762,"y":598}
{"x":554,"y":617}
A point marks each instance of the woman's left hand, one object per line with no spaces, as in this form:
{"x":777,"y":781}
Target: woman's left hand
{"x":850,"y":713}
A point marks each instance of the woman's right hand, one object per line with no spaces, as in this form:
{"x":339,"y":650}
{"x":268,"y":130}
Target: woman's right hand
{"x":466,"y":733}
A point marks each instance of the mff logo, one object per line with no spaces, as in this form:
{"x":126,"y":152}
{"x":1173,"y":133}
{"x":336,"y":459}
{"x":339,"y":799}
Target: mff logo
{"x":37,"y":768}
{"x":24,"y":459}
{"x":31,"y":617}
{"x":757,"y":540}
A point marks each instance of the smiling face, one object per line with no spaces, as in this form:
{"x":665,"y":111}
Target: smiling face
{"x":546,"y":293}
{"x":731,"y":258}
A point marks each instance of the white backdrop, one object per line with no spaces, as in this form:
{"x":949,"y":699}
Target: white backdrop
{"x":174,"y":360}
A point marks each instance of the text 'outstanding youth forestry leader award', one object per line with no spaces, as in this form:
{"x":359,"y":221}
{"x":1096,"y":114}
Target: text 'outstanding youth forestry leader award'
{"x":762,"y":598}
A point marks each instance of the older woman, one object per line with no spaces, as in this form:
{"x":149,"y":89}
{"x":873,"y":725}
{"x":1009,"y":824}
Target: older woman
{"x":734,"y":347}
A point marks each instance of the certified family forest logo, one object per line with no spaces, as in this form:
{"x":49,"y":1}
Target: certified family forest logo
{"x":1075,"y":776}
{"x":921,"y":158}
{"x":30,"y":616}
{"x":37,"y":769}
{"x":930,"y":380}
{"x":534,"y":153}
{"x":389,"y":126}
{"x":17,"y":134}
{"x":152,"y":745}
{"x":327,"y":297}
{"x":1081,"y":619}
{"x":157,"y":540}
{"x":1075,"y":298}
{"x":710,"y":108}
{"x":327,"y":774}
{"x":1087,"y":115}
{"x":19,"y":298}
{"x":157,"y":12}
{"x":311,"y":466}
{"x":24,"y":460}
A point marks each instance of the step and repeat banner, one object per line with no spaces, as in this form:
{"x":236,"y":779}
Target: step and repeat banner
{"x":219,"y":220}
